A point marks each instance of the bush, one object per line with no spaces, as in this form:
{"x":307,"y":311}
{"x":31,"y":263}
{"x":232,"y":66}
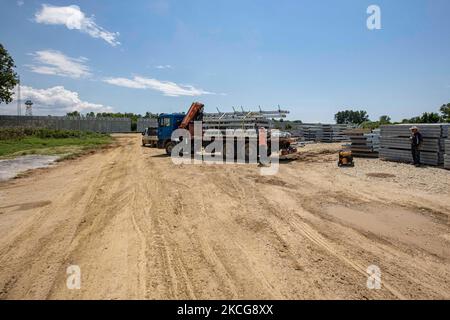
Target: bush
{"x":12,"y":133}
{"x":20,"y":133}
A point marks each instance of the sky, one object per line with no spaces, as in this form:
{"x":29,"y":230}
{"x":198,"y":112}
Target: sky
{"x":311,"y":57}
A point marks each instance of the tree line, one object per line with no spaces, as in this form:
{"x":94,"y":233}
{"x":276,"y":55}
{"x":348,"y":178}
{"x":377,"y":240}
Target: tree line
{"x":361,"y":118}
{"x":133,"y":116}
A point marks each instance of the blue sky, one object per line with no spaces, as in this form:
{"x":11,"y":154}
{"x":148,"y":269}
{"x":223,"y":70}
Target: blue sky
{"x":313,"y":58}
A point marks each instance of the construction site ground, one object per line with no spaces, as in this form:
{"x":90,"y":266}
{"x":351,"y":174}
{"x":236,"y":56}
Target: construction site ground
{"x":140,"y":227}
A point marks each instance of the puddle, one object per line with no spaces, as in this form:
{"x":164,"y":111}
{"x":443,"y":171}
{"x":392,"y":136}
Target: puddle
{"x":9,"y":168}
{"x":396,"y":224}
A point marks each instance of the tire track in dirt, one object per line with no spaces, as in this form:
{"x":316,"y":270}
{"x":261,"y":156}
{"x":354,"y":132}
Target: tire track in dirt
{"x":40,"y":251}
{"x":141,"y":227}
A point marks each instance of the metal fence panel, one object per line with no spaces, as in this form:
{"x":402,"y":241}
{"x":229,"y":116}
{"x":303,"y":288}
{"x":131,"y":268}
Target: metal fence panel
{"x":102,"y":125}
{"x":143,"y":123}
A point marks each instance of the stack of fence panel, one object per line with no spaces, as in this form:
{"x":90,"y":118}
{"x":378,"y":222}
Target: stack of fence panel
{"x":242,"y":119}
{"x":333,"y":132}
{"x":323,"y":132}
{"x":235,"y":123}
{"x":364,"y":143}
{"x":447,"y":150}
{"x":396,"y":145}
{"x":310,"y":132}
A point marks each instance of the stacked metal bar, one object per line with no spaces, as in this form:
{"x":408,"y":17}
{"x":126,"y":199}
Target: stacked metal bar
{"x":333,"y":132}
{"x":241,"y":120}
{"x":447,"y":150}
{"x":310,"y":132}
{"x":364,"y":142}
{"x":396,"y":145}
{"x":324,"y":132}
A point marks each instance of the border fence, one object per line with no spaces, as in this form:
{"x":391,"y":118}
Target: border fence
{"x":101,"y":125}
{"x":143,"y":123}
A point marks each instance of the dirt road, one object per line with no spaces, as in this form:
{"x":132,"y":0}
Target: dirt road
{"x":140,"y":227}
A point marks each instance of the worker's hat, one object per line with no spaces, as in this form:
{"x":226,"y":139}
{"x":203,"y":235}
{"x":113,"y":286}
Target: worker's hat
{"x":414,"y":128}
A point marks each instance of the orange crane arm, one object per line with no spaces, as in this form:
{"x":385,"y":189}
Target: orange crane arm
{"x":190,"y":116}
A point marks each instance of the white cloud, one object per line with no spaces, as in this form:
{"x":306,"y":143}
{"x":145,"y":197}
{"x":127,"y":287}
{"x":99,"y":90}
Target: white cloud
{"x":74,"y":19}
{"x":20,"y":3}
{"x":168,"y":88}
{"x":55,"y":101}
{"x":165,"y":66}
{"x":56,"y":63}
{"x":127,"y":83}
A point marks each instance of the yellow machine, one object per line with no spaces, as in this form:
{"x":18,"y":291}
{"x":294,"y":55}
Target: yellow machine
{"x":345,"y":159}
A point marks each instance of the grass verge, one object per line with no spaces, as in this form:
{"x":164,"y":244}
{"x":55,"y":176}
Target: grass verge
{"x":56,"y":144}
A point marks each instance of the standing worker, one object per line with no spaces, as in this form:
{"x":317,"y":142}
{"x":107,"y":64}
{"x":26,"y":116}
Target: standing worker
{"x":416,"y":144}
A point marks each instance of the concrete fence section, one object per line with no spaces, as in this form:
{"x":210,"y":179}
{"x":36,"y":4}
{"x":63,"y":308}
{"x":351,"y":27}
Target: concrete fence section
{"x":102,"y":125}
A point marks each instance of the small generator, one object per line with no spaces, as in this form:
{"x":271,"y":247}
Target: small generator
{"x":345,"y":159}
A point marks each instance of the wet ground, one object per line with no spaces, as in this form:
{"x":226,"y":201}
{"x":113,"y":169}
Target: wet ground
{"x":9,"y":168}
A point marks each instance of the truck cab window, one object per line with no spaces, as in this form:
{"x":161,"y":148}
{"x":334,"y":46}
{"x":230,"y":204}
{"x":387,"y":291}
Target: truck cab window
{"x":166,"y":122}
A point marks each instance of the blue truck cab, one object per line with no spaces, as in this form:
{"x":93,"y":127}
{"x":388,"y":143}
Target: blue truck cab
{"x":168,"y":123}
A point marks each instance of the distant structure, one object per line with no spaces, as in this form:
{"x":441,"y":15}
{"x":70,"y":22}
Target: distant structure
{"x":19,"y":108}
{"x":29,"y":108}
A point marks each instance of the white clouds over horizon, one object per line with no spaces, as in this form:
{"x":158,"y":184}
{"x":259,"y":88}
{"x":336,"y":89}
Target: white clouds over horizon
{"x":165,"y":66}
{"x":168,"y":88}
{"x":55,"y":101}
{"x":53,"y":62}
{"x":74,"y":19}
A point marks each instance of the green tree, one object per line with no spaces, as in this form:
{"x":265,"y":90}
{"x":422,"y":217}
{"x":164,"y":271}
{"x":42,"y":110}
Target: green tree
{"x":385,"y":120}
{"x":430,"y":117}
{"x":426,"y":117}
{"x":149,"y":115}
{"x":350,"y":116}
{"x":445,"y":111}
{"x":8,"y":77}
{"x":73,"y":114}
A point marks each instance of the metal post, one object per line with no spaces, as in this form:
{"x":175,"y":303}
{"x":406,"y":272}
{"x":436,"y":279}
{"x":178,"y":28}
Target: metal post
{"x":19,"y":109}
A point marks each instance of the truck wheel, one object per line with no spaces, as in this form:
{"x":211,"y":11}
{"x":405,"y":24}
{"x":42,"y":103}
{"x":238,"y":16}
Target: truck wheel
{"x":169,"y":147}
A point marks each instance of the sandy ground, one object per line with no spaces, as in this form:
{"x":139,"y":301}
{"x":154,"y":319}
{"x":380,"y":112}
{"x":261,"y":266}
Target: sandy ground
{"x":140,"y":227}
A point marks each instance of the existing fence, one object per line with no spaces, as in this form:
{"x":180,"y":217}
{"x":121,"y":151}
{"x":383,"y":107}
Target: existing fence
{"x":102,"y":125}
{"x":143,"y":123}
